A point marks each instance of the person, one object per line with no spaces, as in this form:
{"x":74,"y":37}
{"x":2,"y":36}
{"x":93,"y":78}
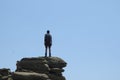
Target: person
{"x":48,"y":43}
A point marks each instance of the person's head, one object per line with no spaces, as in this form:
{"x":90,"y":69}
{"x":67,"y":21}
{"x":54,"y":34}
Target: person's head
{"x":48,"y":31}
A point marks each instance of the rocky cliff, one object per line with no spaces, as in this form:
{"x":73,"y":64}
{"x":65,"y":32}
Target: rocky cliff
{"x":36,"y":68}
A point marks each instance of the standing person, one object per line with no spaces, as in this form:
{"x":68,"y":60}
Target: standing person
{"x":48,"y":43}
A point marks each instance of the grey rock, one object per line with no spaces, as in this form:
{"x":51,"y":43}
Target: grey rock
{"x":33,"y":64}
{"x":36,"y":68}
{"x":40,"y":64}
{"x":29,"y":76}
{"x":56,"y":77}
{"x":55,"y":62}
{"x":56,"y":71}
{"x":4,"y":71}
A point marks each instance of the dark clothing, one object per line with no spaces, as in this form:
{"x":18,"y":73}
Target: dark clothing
{"x":48,"y":40}
{"x":48,"y":43}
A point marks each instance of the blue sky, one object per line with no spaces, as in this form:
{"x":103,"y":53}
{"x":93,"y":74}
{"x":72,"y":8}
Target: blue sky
{"x":85,"y":34}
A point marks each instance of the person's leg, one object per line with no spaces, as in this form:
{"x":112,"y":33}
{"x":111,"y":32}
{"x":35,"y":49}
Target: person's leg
{"x":49,"y":51}
{"x":45,"y":51}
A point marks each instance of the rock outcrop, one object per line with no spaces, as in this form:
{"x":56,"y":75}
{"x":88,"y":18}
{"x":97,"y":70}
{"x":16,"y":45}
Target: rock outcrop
{"x":36,"y":68}
{"x":29,"y":76}
{"x":5,"y":74}
{"x":47,"y":67}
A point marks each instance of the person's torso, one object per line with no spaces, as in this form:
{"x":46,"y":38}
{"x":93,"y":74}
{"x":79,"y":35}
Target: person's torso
{"x":47,"y":38}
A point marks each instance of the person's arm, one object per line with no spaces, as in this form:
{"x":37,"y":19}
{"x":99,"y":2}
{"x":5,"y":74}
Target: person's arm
{"x":44,"y":38}
{"x":51,"y":40}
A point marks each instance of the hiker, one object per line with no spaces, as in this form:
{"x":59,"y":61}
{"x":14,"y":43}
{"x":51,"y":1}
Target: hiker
{"x":48,"y":43}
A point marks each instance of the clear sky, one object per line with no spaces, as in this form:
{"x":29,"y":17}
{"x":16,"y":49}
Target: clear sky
{"x":86,"y":34}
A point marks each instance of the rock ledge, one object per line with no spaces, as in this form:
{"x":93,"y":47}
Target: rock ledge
{"x":36,"y":68}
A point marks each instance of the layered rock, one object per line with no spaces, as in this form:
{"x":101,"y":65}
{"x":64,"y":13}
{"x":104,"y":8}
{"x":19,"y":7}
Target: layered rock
{"x":29,"y":76}
{"x":5,"y":74}
{"x":40,"y":68}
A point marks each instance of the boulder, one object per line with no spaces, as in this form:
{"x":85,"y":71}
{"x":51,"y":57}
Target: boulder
{"x":4,"y":71}
{"x":5,"y":74}
{"x":56,"y":77}
{"x":29,"y":76}
{"x":36,"y":68}
{"x":40,"y":64}
{"x":33,"y":64}
{"x":55,"y":62}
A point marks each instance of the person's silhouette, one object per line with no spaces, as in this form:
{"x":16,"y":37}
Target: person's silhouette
{"x":48,"y":43}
